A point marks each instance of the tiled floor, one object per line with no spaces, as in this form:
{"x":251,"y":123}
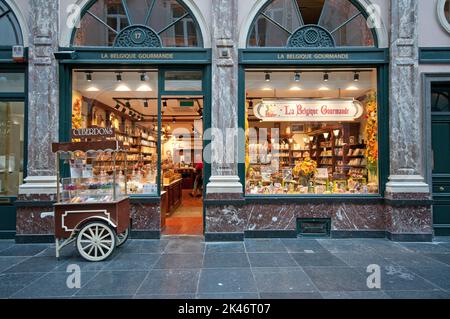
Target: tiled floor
{"x":187,"y":267}
{"x":187,"y":219}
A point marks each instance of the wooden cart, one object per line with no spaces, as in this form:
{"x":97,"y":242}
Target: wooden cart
{"x":99,"y":223}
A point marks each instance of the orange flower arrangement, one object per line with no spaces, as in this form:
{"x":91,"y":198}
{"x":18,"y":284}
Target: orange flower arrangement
{"x":305,"y":168}
{"x":372,"y":129}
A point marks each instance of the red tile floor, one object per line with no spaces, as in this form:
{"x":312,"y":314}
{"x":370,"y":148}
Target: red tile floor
{"x":188,"y":219}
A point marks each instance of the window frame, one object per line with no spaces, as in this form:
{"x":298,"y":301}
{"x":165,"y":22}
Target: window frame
{"x":357,"y":5}
{"x":445,"y":23}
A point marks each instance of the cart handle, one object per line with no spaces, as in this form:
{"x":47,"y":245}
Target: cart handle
{"x":47,"y":214}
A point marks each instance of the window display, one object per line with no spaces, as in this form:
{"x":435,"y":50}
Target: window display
{"x":125,"y":102}
{"x":312,"y":132}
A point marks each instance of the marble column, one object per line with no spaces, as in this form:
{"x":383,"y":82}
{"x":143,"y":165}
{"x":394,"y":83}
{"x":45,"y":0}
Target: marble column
{"x":224,"y":114}
{"x":406,"y":120}
{"x":43,"y":97}
{"x":39,"y":189}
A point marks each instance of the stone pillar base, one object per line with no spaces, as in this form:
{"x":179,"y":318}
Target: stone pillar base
{"x":224,"y":184}
{"x":38,"y":185}
{"x":410,"y":184}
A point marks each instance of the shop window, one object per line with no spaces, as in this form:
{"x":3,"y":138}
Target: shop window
{"x":11,"y":146}
{"x":183,"y":80}
{"x":12,"y":82}
{"x":311,"y":132}
{"x":323,"y":23}
{"x":440,"y":97}
{"x":443,"y":10}
{"x":127,"y":101}
{"x":137,"y":23}
{"x":11,"y":34}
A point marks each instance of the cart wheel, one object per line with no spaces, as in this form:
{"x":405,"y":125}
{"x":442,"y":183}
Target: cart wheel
{"x":122,"y":238}
{"x":96,"y":241}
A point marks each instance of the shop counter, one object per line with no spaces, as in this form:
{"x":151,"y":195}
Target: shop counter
{"x":174,"y":195}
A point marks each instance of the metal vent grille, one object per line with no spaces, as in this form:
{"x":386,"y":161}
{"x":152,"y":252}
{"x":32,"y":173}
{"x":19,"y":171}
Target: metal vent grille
{"x":316,"y":227}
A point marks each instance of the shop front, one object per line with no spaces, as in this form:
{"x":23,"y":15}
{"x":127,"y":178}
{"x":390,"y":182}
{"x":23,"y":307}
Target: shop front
{"x":12,"y":117}
{"x":140,"y":73}
{"x":313,"y":100}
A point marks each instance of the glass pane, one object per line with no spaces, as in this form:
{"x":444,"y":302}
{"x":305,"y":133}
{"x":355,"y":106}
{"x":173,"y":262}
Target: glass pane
{"x":266,"y":34}
{"x":130,"y":106}
{"x":11,"y":147}
{"x":311,"y":10}
{"x":11,"y":34}
{"x":355,"y":33}
{"x":12,"y":82}
{"x":335,"y":13}
{"x":440,"y":97}
{"x":183,"y":80}
{"x":302,"y":139}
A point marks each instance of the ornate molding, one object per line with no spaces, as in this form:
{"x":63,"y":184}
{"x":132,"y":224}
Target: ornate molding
{"x":138,"y":36}
{"x":311,"y":36}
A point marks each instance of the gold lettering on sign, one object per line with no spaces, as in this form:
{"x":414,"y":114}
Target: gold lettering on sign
{"x":137,"y":56}
{"x":313,"y":56}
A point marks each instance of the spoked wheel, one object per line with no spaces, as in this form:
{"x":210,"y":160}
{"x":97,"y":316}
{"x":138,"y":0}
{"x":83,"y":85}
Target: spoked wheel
{"x":122,"y":238}
{"x":96,"y":241}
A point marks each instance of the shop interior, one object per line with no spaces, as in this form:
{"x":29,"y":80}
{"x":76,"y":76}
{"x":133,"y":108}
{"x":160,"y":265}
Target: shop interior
{"x":127,"y":100}
{"x":311,"y":131}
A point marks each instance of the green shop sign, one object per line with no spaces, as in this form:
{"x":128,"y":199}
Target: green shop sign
{"x":324,"y":56}
{"x":136,"y":56}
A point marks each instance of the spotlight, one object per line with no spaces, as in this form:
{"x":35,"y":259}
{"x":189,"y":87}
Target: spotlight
{"x":356,"y":77}
{"x":297,"y":77}
{"x":326,"y":77}
{"x":165,"y":103}
{"x":89,"y":76}
{"x":144,"y":77}
{"x":250,"y":103}
{"x":117,"y":106}
{"x":124,"y":110}
{"x":128,"y":104}
{"x":267,"y":77}
{"x":119,"y":77}
{"x":145,"y":103}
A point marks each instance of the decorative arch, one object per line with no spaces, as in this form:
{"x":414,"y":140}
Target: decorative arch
{"x":139,"y":23}
{"x":306,"y":34}
{"x":13,"y":26}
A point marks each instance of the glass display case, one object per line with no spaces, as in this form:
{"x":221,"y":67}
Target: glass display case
{"x":91,"y":190}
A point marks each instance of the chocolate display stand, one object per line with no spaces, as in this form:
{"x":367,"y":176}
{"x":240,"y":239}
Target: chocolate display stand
{"x":91,"y":209}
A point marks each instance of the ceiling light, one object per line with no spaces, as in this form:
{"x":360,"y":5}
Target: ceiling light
{"x":89,"y":76}
{"x":267,"y":89}
{"x":92,"y":89}
{"x":324,"y":88}
{"x":119,"y":77}
{"x":352,"y":88}
{"x":326,"y":77}
{"x":295,"y":88}
{"x":297,"y":77}
{"x":122,"y":88}
{"x":356,"y":77}
{"x":144,"y":88}
{"x":326,"y":134}
{"x":267,"y":77}
{"x":336,"y":133}
{"x":145,"y":103}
